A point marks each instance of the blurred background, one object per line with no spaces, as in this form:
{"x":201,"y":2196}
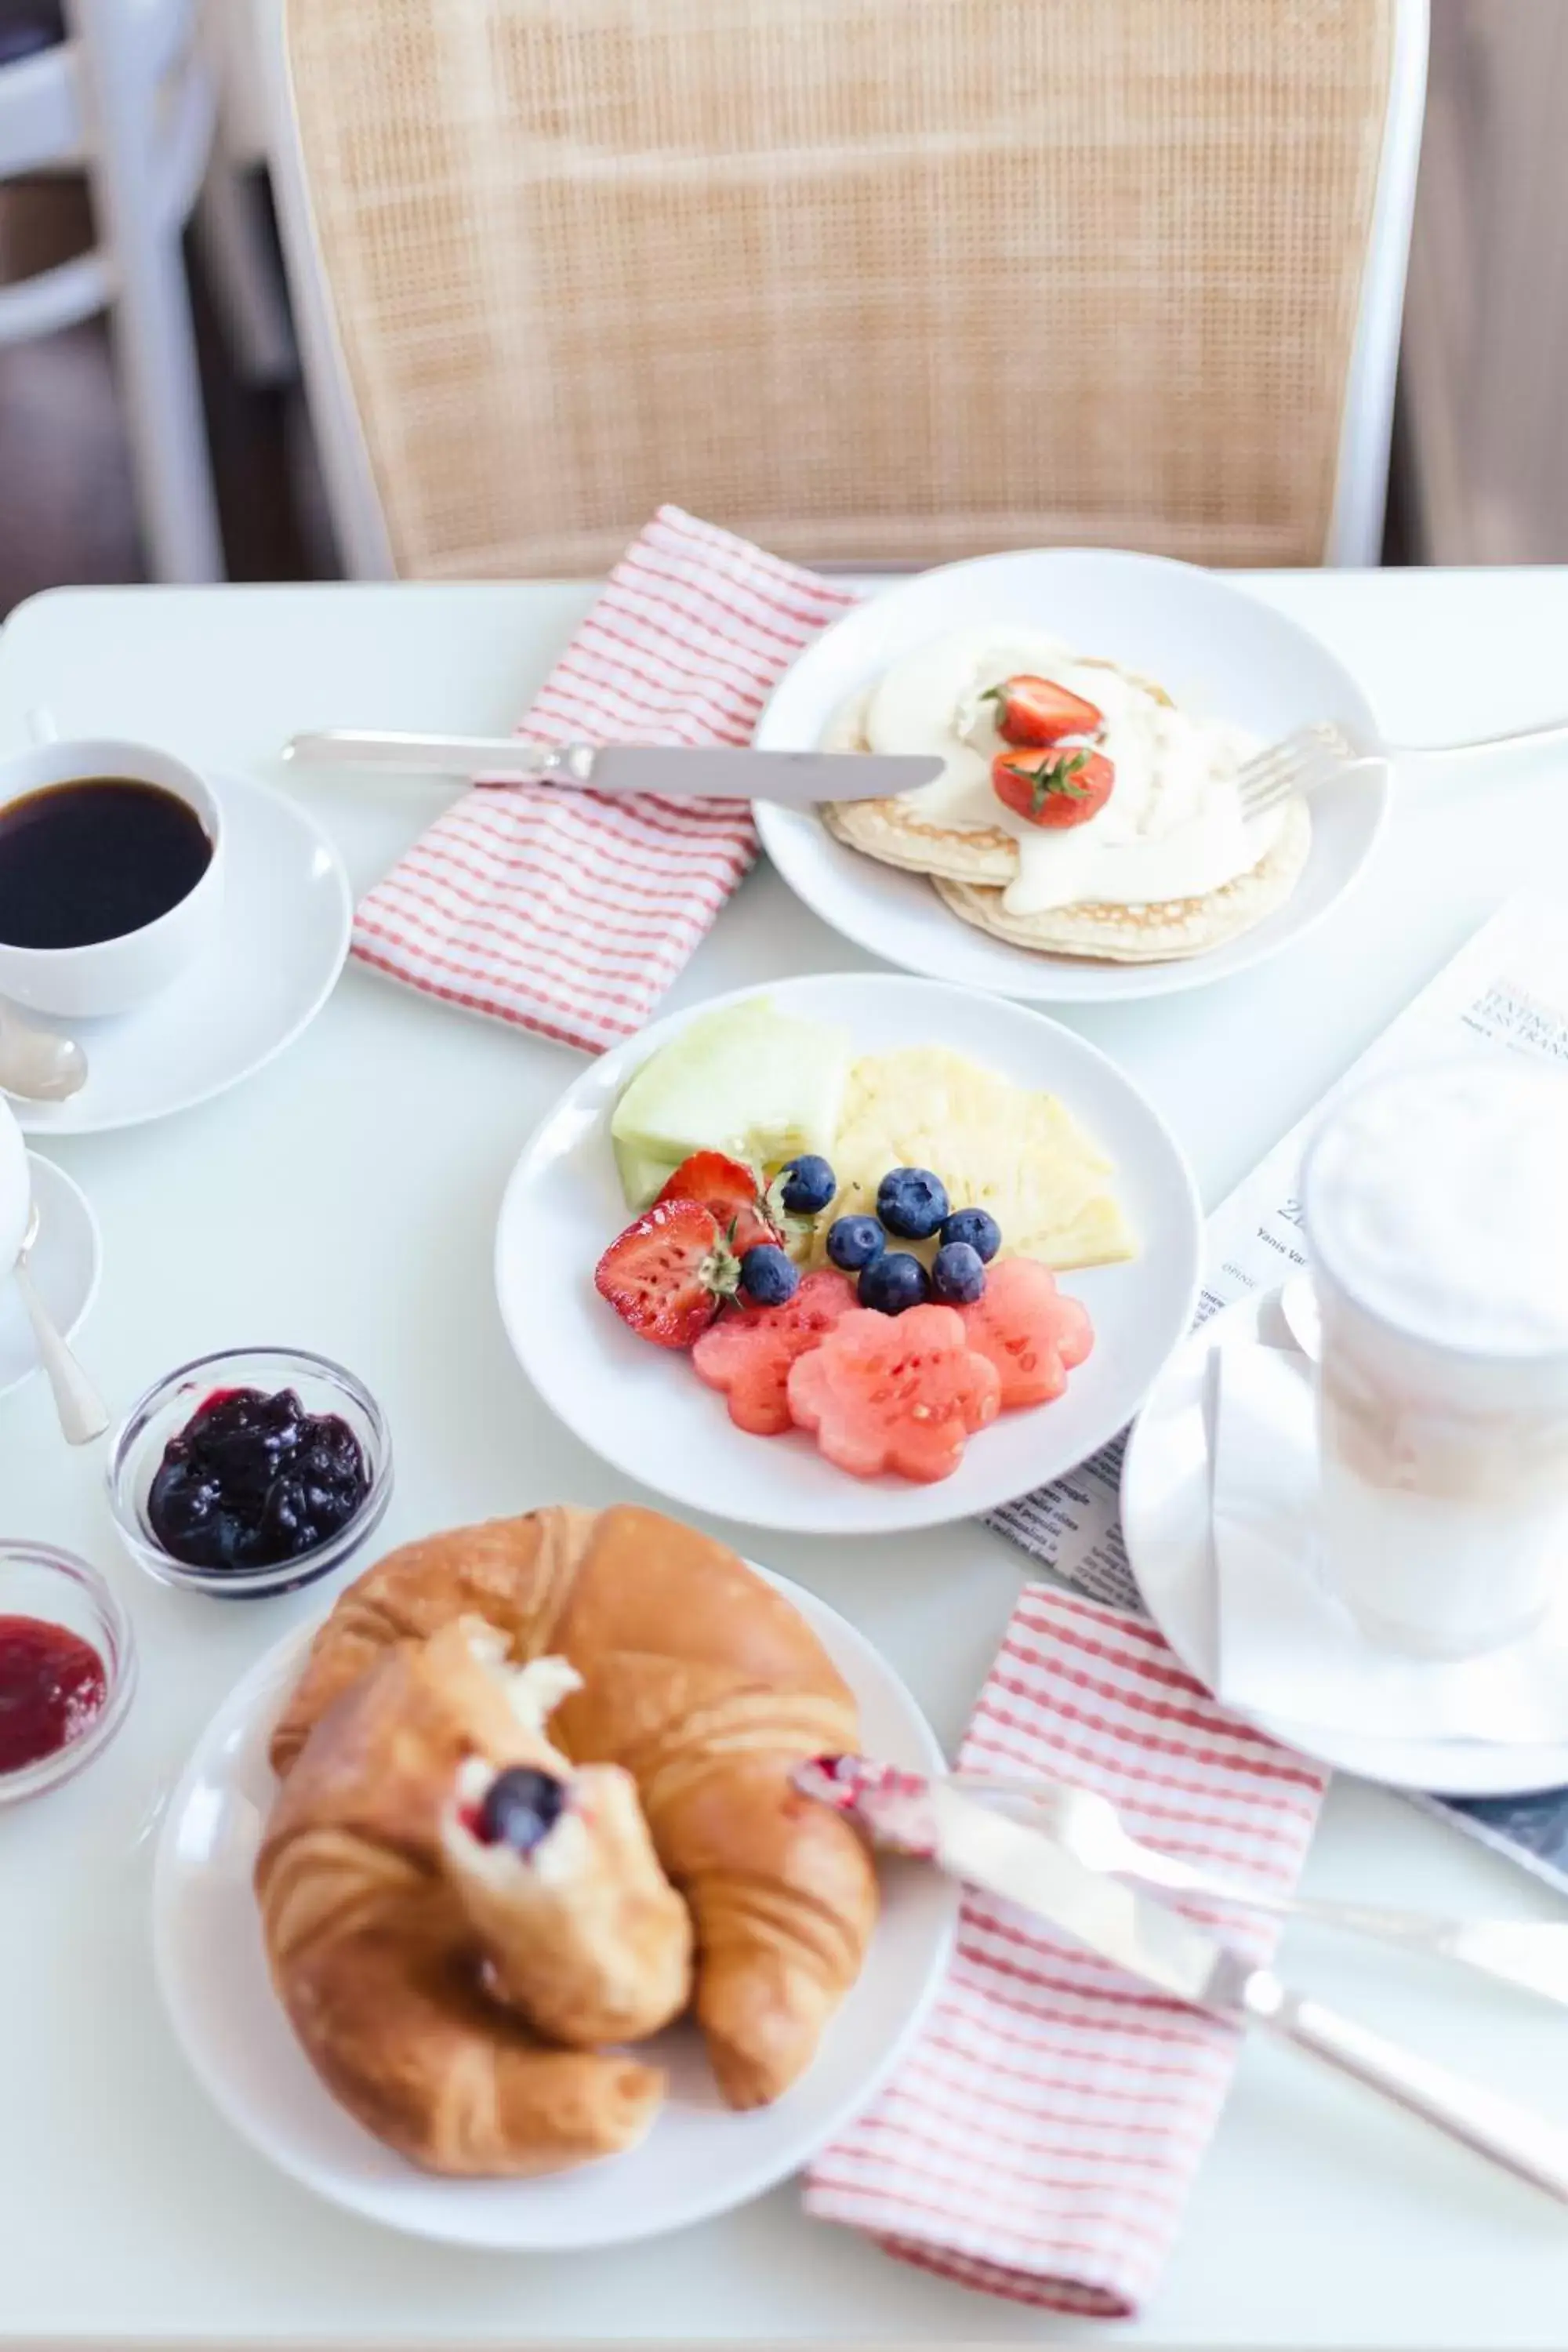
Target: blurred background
{"x":105,"y":463}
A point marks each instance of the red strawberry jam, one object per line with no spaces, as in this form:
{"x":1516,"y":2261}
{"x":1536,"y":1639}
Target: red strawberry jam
{"x":52,"y":1684}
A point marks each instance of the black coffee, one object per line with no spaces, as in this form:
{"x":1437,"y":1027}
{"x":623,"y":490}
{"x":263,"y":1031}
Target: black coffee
{"x":90,"y":861}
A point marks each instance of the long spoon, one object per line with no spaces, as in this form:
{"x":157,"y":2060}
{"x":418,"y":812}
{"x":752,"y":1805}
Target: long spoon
{"x":82,"y":1414}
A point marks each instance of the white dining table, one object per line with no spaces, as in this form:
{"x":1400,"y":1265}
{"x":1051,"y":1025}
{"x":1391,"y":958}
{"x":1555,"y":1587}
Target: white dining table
{"x":344,"y":1199}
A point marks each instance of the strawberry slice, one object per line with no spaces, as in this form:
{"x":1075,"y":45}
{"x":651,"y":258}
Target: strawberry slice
{"x":1056,"y":789}
{"x":748,"y":1354}
{"x":1037,"y":711}
{"x":666,"y":1274}
{"x":730,"y":1191}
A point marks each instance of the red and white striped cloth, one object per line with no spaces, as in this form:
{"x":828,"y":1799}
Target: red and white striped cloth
{"x":1040,"y":2140}
{"x":571,"y":912}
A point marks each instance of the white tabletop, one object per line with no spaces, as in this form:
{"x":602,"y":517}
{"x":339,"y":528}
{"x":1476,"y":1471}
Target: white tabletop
{"x":343,"y":1199}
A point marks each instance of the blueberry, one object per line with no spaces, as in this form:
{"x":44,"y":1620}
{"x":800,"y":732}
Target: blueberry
{"x":854,"y":1241}
{"x":768,"y":1275}
{"x":912,"y":1202}
{"x":958,"y":1273}
{"x":520,"y":1807}
{"x":892,"y":1282}
{"x":806,"y":1185}
{"x":978,"y":1227}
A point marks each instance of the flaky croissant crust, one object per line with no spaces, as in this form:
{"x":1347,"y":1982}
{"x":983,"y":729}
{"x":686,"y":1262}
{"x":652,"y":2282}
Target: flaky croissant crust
{"x":707,"y":1687}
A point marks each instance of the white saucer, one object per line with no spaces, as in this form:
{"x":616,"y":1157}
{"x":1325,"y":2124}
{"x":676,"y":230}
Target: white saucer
{"x":644,"y":1409}
{"x":64,"y":1266}
{"x":698,"y":2159}
{"x":287,"y":917}
{"x":1210,"y":644}
{"x":1165,"y":1527}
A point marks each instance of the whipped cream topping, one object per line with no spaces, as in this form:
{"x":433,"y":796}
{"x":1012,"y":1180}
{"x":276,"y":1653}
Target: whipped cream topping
{"x":1440,"y":1201}
{"x":1172,"y":827}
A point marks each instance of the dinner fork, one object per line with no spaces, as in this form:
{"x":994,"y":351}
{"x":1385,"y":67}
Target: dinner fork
{"x":1531,"y":1953}
{"x":1315,"y":756}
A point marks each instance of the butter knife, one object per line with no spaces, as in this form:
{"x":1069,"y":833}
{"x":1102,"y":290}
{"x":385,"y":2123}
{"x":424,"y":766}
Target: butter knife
{"x":989,"y":1850}
{"x":714,"y":771}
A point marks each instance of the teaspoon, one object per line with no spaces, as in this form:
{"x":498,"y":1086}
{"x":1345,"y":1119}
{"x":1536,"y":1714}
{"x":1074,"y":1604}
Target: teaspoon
{"x":37,"y":1065}
{"x":82,"y":1411}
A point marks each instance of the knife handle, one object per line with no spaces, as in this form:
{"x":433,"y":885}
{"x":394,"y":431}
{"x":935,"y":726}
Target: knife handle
{"x":1524,"y":2144}
{"x":443,"y":755}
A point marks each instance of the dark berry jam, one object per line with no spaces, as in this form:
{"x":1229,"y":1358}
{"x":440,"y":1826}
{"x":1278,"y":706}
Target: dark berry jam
{"x":253,"y":1480}
{"x":52,"y":1684}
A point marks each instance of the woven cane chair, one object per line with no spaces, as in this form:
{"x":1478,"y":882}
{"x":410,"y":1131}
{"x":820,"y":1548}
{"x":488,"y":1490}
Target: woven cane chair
{"x":874,"y":282}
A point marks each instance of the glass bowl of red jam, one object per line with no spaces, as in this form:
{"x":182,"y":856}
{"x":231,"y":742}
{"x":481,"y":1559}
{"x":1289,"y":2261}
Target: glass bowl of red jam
{"x":250,"y":1472}
{"x":67,"y":1667}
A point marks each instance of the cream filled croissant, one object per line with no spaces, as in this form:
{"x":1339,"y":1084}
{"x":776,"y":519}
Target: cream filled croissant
{"x":581,"y":1931}
{"x":420,"y":2003}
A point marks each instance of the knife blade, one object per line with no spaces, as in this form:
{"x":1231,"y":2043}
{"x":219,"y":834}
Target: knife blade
{"x":1005,"y":1857}
{"x":710,"y":771}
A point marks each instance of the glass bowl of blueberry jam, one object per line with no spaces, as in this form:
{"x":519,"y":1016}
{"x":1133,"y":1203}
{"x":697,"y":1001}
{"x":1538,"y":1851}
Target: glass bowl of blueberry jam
{"x":67,"y":1667}
{"x":250,"y":1472}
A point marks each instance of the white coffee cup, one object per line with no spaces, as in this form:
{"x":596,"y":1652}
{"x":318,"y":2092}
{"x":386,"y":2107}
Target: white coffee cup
{"x":1434,"y":1206}
{"x":113,"y":976}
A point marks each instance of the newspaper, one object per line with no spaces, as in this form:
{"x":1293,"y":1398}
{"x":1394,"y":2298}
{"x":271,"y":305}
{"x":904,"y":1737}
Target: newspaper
{"x":1506,"y":991}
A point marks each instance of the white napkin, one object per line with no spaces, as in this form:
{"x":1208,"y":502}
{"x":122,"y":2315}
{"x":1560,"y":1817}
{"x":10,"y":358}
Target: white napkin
{"x":1287,"y":1647}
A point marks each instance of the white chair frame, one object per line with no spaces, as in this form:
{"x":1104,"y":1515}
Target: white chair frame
{"x":126,"y":100}
{"x":1355,"y":536}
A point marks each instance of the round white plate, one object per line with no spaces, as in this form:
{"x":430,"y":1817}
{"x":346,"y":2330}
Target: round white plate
{"x":1165,"y":1527}
{"x":1214,"y":648}
{"x":64,"y":1266}
{"x":645,"y":1411}
{"x":697,"y":2160}
{"x":284,"y":934}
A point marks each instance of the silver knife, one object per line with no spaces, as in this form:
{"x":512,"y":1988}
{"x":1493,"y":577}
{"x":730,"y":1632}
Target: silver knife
{"x":715,"y":771}
{"x":1004,"y":1856}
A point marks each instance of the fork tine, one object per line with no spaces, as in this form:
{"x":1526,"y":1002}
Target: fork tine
{"x":1299,"y":764}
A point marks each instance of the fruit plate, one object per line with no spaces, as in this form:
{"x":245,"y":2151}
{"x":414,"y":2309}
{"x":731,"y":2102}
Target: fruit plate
{"x":697,"y":2160}
{"x":643,"y":1409}
{"x":1215,"y":650}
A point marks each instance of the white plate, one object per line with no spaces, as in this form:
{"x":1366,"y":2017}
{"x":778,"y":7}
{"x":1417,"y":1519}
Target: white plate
{"x":1165,"y":1527}
{"x":64,"y":1266}
{"x":697,"y":2160}
{"x":644,"y":1409}
{"x":1212,"y":648}
{"x":284,"y":934}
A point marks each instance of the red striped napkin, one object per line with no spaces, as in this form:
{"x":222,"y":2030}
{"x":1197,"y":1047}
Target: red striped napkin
{"x":1040,"y":2140}
{"x":571,"y":912}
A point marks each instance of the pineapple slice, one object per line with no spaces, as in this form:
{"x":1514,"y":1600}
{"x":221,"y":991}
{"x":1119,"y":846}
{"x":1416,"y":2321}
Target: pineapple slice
{"x":996,"y":1146}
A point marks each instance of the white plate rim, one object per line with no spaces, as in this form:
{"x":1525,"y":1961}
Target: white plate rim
{"x":850,"y":1648}
{"x":35,"y":1121}
{"x":921,"y":1506}
{"x":1163,"y":1569}
{"x":54,"y":1174}
{"x":1042,"y":978}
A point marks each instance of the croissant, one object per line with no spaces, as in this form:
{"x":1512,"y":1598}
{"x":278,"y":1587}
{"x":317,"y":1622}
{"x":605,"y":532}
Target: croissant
{"x":399,"y":1984}
{"x":707,"y":1687}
